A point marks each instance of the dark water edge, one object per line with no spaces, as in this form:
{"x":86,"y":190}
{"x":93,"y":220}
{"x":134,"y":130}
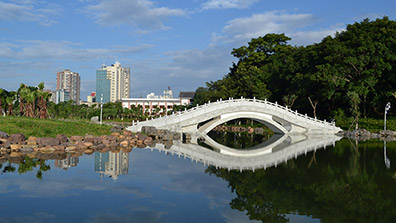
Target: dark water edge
{"x":242,"y":140}
{"x":346,"y":183}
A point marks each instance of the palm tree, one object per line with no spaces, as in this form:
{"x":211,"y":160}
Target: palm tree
{"x":31,"y":103}
{"x":10,"y":101}
{"x":23,"y":91}
{"x":42,"y":99}
{"x":2,"y":94}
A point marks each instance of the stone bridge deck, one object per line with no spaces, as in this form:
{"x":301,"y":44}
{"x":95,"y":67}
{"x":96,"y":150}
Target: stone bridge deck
{"x":201,"y":119}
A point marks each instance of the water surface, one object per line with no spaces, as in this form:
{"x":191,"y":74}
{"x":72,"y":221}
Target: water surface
{"x":346,"y":183}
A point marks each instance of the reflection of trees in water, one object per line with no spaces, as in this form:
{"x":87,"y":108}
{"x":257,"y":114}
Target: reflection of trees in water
{"x":238,"y":140}
{"x":241,"y":140}
{"x":27,"y":165}
{"x":346,"y":184}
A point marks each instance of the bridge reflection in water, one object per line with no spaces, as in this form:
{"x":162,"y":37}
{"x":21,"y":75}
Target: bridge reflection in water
{"x":278,"y":149}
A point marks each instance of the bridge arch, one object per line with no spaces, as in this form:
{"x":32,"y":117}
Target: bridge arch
{"x":263,"y":118}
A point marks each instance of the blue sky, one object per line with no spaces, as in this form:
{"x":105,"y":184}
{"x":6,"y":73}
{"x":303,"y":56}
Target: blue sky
{"x":177,"y":43}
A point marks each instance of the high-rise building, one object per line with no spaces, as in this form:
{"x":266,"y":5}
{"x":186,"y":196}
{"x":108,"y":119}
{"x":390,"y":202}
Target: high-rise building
{"x":112,"y":82}
{"x":68,"y":81}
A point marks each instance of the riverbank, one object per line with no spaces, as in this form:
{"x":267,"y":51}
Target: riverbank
{"x":363,"y":135}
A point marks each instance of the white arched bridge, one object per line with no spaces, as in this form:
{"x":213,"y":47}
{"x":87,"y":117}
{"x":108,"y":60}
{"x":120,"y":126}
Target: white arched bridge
{"x":200,"y":120}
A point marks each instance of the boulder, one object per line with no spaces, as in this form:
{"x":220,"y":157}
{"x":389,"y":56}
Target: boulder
{"x":15,"y":147}
{"x":88,"y":151}
{"x":62,"y":138}
{"x":124,"y":143}
{"x":17,"y":138}
{"x":116,"y":134}
{"x":75,"y":139}
{"x":27,"y":150}
{"x":127,"y":133}
{"x":117,"y":128}
{"x":150,"y":130}
{"x":95,"y":119}
{"x":47,"y":141}
{"x":4,"y":135}
{"x":88,"y":144}
{"x":71,"y":149}
{"x":47,"y":150}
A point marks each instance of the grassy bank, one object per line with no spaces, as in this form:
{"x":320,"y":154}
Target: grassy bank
{"x":373,"y":125}
{"x":50,"y":128}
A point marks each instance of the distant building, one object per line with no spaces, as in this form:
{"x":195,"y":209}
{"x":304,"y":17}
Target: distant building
{"x":61,"y":96}
{"x":164,"y":102}
{"x":187,"y":97}
{"x":68,"y":82}
{"x":91,"y":98}
{"x":112,"y":82}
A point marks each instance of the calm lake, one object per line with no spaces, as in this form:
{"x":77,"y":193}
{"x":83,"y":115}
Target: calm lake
{"x":348,"y":182}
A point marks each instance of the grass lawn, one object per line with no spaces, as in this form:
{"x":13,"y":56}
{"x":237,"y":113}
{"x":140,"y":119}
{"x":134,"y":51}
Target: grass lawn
{"x":373,"y":125}
{"x":50,"y":128}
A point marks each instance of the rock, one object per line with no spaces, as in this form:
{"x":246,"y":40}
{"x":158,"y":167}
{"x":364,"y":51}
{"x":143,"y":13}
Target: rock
{"x":16,"y":154}
{"x":15,"y":147}
{"x":124,"y":143}
{"x":27,"y":150}
{"x":75,"y":139}
{"x":46,"y":150}
{"x":141,"y":137}
{"x":81,"y":146}
{"x":4,"y":135}
{"x":127,"y":133}
{"x":117,"y":128}
{"x":62,"y":138}
{"x":47,"y":141}
{"x":116,"y":134}
{"x":17,"y":138}
{"x":59,"y":148}
{"x":89,"y":138}
{"x":32,"y":155}
{"x":71,"y":149}
{"x":6,"y":144}
{"x":95,"y":119}
{"x":88,"y":144}
{"x":88,"y":151}
{"x":148,"y":141}
{"x":112,"y":138}
{"x":126,"y":150}
{"x":31,"y":145}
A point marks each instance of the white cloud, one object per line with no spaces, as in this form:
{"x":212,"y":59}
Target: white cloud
{"x":241,"y":30}
{"x":141,"y":14}
{"x":28,"y":11}
{"x":226,"y":4}
{"x":44,"y":50}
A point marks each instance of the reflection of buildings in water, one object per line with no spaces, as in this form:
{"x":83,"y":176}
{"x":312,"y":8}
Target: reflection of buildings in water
{"x":67,"y":163}
{"x":111,"y":164}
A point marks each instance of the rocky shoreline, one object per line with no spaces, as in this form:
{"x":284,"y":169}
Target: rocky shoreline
{"x":363,"y":135}
{"x":16,"y":145}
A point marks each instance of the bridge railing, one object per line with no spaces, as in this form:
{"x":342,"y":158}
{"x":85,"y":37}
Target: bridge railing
{"x":276,"y":106}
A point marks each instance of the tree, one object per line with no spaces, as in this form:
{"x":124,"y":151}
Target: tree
{"x":2,"y":100}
